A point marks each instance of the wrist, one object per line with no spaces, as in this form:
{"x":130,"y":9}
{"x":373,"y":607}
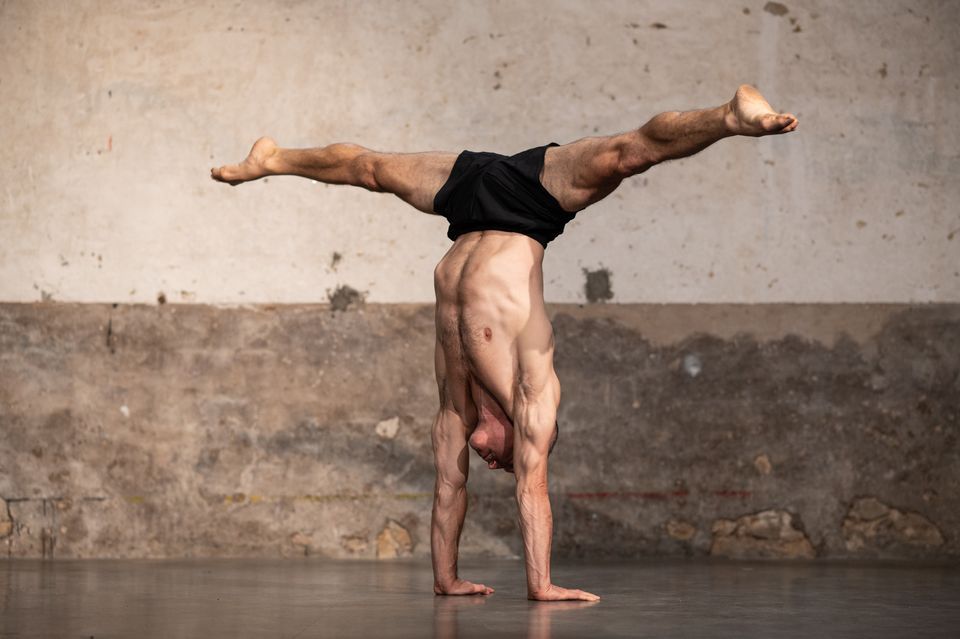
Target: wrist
{"x":539,"y":591}
{"x":444,"y":582}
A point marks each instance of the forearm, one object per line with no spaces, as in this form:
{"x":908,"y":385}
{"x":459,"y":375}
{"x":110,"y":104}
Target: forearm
{"x":449,"y":510}
{"x":536,"y":526}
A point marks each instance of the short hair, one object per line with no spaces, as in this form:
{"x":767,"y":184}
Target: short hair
{"x":556,"y":436}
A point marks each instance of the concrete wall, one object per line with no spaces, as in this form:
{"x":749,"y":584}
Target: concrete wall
{"x":112,"y":114}
{"x":806,"y":406}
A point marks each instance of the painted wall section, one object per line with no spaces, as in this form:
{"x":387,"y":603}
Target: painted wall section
{"x":112,"y":114}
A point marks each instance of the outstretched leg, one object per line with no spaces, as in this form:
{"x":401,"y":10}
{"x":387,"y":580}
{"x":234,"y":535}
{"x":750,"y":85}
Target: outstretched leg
{"x":586,"y":171}
{"x":413,"y":177}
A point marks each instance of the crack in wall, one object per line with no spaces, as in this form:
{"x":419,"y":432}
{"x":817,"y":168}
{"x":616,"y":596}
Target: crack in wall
{"x":48,"y":533}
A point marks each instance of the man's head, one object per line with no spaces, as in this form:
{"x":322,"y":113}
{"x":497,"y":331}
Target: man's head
{"x":493,"y":441}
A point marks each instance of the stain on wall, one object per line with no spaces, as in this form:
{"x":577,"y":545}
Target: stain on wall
{"x":598,"y":286}
{"x":179,"y":430}
{"x":344,"y":297}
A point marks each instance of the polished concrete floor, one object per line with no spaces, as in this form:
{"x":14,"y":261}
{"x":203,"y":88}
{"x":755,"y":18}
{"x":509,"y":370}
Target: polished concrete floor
{"x":316,"y":598}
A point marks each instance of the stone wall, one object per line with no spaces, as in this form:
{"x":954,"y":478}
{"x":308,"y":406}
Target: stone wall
{"x":732,"y":430}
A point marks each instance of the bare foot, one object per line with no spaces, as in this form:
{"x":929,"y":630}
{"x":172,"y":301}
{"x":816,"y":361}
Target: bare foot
{"x":252,"y":168}
{"x":750,"y":114}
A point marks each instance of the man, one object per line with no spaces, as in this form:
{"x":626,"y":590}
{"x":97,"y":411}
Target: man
{"x":494,"y":352}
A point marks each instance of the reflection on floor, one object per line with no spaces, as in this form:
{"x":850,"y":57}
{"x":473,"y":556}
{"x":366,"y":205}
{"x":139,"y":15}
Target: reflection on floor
{"x":317,"y":598}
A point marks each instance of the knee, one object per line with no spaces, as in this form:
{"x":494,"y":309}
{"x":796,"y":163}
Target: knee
{"x":364,"y":168}
{"x":637,"y":154}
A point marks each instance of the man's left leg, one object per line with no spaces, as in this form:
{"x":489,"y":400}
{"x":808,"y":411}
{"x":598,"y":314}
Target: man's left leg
{"x":413,"y":177}
{"x":586,"y":171}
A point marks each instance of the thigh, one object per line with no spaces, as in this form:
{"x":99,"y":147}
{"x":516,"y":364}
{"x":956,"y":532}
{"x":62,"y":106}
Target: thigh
{"x":584,"y":172}
{"x":413,"y":177}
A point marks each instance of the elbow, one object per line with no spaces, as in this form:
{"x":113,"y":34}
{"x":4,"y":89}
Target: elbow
{"x":448,"y":492}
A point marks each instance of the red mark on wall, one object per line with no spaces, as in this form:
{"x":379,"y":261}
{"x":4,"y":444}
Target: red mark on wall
{"x":656,"y":495}
{"x":732,"y":493}
{"x":619,"y":494}
{"x":109,"y":143}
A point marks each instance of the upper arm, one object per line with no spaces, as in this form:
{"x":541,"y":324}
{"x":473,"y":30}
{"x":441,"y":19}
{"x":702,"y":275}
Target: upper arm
{"x":532,"y":436}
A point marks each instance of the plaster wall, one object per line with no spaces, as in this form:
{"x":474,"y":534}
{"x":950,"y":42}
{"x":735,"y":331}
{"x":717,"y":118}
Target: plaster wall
{"x":112,"y":113}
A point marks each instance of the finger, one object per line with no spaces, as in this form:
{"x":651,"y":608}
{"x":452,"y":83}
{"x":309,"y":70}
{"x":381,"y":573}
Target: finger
{"x":587,"y":596}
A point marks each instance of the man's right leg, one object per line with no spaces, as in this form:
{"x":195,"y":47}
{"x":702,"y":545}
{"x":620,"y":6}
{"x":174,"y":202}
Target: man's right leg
{"x":586,"y":171}
{"x":413,"y":177}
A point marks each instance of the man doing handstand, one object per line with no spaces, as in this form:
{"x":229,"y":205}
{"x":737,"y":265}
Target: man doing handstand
{"x":498,"y":389}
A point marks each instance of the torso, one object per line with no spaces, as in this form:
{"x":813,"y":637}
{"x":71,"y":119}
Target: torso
{"x":490,"y":310}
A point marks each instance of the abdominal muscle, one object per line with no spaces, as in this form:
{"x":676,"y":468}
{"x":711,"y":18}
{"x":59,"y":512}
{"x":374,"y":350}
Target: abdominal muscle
{"x":489,"y":286}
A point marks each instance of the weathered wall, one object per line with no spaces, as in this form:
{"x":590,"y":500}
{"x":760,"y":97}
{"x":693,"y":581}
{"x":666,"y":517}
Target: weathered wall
{"x":793,"y":430}
{"x":112,"y":112}
{"x":775,"y":429}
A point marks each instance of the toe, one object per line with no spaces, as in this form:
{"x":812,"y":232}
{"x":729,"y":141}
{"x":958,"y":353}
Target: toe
{"x":227,"y":173}
{"x":771,"y":122}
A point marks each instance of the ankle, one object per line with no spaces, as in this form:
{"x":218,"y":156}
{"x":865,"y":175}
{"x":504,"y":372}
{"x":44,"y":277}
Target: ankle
{"x":729,"y":118}
{"x":272,"y":165}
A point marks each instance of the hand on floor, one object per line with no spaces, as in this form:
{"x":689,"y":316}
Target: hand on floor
{"x":556,"y":593}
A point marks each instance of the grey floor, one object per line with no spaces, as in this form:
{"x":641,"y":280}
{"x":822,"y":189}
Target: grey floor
{"x":315,"y":598}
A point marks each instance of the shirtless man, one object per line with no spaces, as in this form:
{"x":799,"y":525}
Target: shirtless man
{"x":494,"y":351}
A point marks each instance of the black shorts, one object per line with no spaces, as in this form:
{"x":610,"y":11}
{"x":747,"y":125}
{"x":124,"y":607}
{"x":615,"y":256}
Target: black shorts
{"x":489,"y":191}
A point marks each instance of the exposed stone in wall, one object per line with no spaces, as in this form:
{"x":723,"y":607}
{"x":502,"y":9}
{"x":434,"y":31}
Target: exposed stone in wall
{"x":387,"y":429}
{"x":875,"y":527}
{"x":6,"y":524}
{"x":681,"y":530}
{"x":301,"y":540}
{"x":771,"y":534}
{"x":394,"y":541}
{"x":763,"y":465}
{"x":356,"y":543}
